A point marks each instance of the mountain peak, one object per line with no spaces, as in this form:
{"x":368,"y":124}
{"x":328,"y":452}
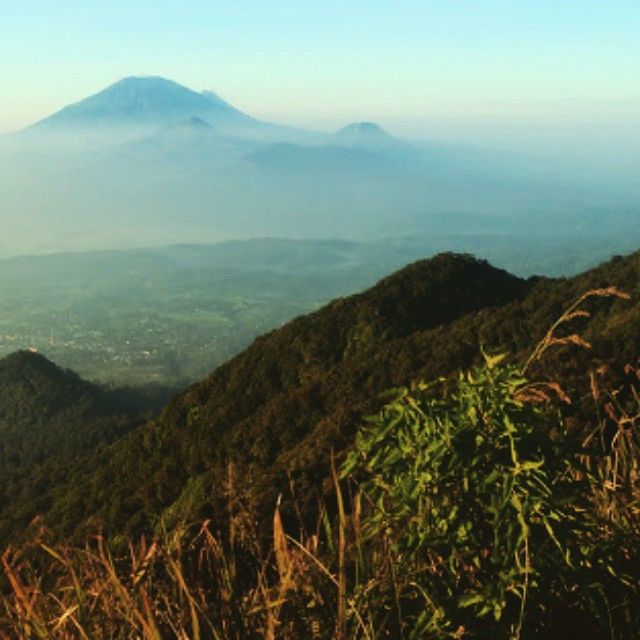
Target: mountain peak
{"x":30,"y":364}
{"x":366,"y":135}
{"x":146,"y":101}
{"x":144,"y":81}
{"x":29,"y":382}
{"x":434,"y":290}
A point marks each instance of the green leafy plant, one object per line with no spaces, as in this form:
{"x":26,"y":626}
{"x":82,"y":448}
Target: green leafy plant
{"x":480,"y":512}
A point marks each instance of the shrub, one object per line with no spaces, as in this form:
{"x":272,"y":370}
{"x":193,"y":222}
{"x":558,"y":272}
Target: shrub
{"x":479,"y":512}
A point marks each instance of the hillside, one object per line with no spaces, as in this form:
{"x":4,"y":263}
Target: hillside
{"x":32,"y":387}
{"x":277,"y":409}
{"x":48,"y":418}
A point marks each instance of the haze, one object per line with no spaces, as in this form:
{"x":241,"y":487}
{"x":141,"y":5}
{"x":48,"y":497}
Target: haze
{"x":483,"y":71}
{"x":521,"y":117}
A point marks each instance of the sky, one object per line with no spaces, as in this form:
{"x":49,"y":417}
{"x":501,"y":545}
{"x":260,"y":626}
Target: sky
{"x":473,"y":70}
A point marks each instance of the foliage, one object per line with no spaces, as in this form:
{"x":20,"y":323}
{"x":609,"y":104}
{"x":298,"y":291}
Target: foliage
{"x":277,"y":409}
{"x":474,"y":513}
{"x":479,"y":496}
{"x":487,"y":506}
{"x":263,"y":404}
{"x":48,"y":418}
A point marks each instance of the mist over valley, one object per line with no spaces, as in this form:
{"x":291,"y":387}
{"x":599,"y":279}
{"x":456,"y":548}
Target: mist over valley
{"x":149,"y":162}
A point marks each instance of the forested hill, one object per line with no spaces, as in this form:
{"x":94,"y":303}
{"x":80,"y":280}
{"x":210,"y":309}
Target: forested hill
{"x":276,"y":410}
{"x":32,"y":387}
{"x":48,"y":418}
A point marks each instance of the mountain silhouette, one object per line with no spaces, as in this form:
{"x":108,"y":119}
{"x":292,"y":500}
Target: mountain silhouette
{"x":367,"y":135}
{"x":148,"y":102}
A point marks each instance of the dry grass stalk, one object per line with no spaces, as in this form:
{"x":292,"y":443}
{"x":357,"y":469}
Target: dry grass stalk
{"x":550,"y":339}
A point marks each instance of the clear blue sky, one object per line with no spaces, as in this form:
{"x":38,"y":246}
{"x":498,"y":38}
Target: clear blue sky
{"x":465,"y":67}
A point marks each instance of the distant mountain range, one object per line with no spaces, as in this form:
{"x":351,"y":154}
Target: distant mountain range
{"x":151,"y":103}
{"x":161,"y":107}
{"x":147,"y":161}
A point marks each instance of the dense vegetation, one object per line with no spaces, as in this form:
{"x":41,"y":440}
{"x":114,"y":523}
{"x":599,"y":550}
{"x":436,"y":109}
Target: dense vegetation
{"x":493,"y":521}
{"x":276,"y":410}
{"x":406,"y":545}
{"x":48,"y":418}
{"x":468,"y":508}
{"x":261,"y":407}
